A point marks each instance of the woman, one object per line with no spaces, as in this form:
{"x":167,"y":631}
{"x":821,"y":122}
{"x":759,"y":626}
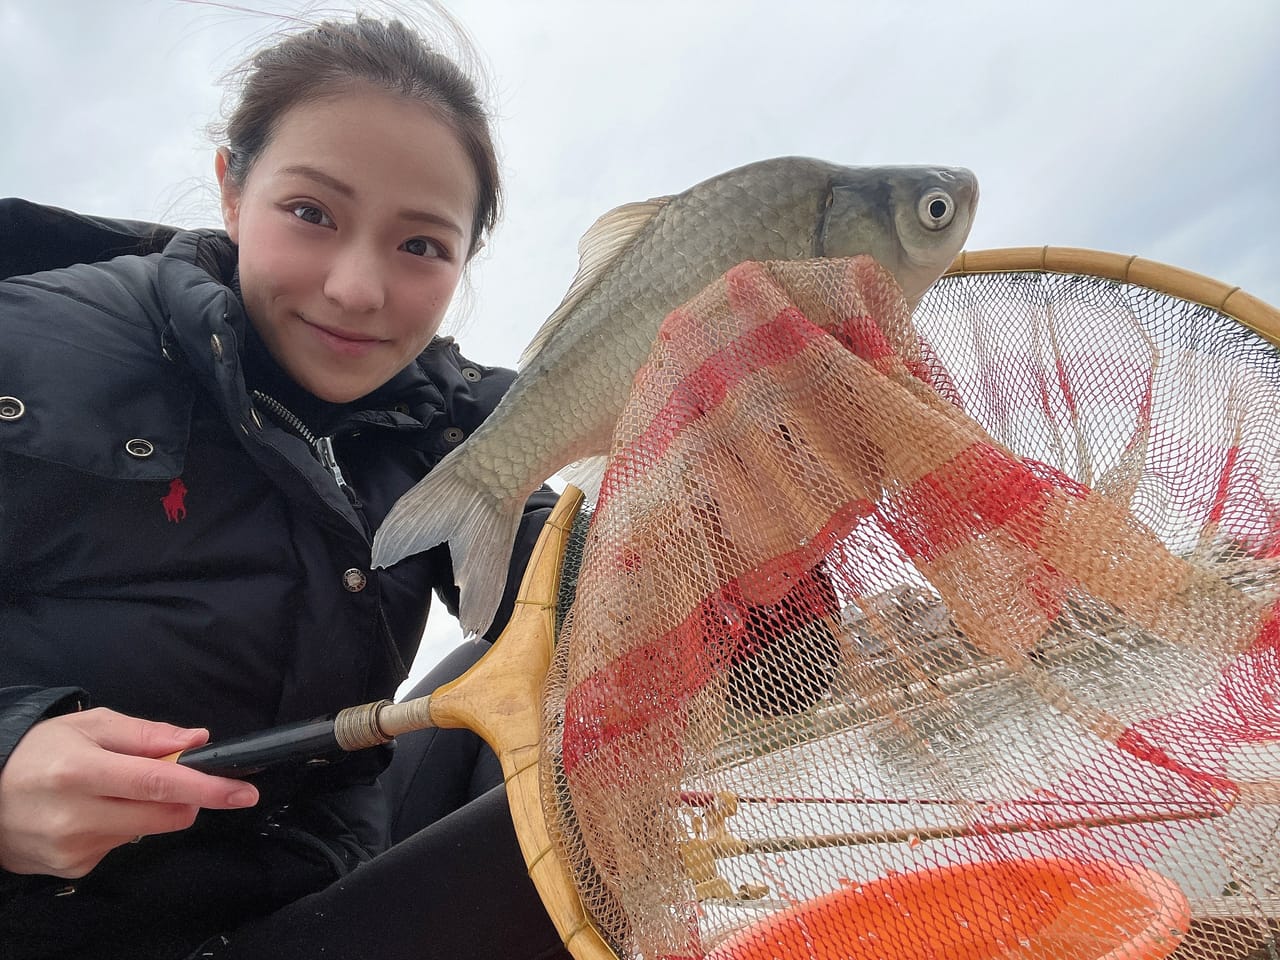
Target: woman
{"x":200,"y":432}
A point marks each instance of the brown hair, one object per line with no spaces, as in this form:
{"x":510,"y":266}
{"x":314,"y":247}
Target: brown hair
{"x":332,"y":55}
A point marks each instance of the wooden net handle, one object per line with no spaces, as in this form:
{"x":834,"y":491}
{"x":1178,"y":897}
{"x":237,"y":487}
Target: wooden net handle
{"x":500,"y":698}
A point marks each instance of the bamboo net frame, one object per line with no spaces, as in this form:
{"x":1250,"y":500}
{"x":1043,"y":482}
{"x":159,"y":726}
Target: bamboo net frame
{"x":1259,"y":316}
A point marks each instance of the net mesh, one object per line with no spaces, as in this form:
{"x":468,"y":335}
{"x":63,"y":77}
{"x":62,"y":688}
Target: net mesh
{"x":945,"y":635}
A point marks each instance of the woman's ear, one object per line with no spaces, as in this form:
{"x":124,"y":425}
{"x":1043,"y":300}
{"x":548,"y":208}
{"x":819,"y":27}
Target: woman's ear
{"x":230,"y":193}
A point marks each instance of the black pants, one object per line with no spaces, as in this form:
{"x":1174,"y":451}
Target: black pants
{"x":453,"y":885}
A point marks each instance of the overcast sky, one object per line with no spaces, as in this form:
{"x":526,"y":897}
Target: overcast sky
{"x":1140,"y":127}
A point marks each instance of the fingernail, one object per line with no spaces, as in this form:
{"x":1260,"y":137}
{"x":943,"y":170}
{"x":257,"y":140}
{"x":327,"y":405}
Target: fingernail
{"x":245,"y":797}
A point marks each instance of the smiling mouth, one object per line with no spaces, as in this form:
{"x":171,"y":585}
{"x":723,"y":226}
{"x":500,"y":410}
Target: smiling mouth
{"x":343,"y":340}
{"x":348,"y":335}
{"x":342,"y":334}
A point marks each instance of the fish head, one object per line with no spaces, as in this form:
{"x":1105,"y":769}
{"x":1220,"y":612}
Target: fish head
{"x":912,"y":220}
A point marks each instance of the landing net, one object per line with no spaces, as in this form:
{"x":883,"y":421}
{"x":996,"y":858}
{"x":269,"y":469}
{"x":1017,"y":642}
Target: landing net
{"x":945,"y":635}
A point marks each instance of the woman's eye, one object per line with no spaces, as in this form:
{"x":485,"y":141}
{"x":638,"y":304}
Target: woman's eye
{"x":311,"y":214}
{"x":422,"y":247}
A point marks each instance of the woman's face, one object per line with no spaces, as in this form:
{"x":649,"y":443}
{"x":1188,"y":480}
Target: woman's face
{"x":353,"y":227}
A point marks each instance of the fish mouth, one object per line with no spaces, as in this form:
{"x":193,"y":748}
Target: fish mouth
{"x":967,"y":182}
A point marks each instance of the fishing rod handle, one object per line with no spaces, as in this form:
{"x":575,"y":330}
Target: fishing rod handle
{"x":309,"y":741}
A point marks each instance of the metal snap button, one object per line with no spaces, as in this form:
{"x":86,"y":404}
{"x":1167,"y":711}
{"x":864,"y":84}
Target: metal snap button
{"x":139,"y":448}
{"x":470,"y":373}
{"x":354,"y":580}
{"x":453,"y":435}
{"x":11,"y":408}
{"x":215,"y":342}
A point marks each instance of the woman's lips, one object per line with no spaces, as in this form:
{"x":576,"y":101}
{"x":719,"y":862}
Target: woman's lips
{"x":349,"y":344}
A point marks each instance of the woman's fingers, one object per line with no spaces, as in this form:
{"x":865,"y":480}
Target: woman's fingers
{"x":125,"y":767}
{"x":134,"y":736}
{"x":159,"y":782}
{"x":69,"y":840}
{"x":77,"y":786}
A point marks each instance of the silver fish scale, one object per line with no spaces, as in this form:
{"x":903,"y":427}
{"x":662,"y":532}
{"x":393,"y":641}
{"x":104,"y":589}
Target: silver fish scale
{"x":757,"y":215}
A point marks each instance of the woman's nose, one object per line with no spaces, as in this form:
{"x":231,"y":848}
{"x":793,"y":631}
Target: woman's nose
{"x":354,"y":281}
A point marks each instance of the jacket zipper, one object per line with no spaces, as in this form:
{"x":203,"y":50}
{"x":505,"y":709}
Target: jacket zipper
{"x":323,"y":446}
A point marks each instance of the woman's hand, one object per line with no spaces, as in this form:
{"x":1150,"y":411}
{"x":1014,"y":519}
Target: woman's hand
{"x":79,"y":785}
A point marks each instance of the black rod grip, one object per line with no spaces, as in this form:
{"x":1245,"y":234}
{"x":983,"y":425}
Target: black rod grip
{"x":307,"y":741}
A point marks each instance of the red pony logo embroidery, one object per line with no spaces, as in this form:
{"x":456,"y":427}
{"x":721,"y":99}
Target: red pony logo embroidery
{"x":174,"y":501}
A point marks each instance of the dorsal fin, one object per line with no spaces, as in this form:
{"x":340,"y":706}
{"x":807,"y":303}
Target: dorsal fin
{"x":598,"y":248}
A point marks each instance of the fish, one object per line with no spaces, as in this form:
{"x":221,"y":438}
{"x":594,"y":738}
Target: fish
{"x":637,"y":263}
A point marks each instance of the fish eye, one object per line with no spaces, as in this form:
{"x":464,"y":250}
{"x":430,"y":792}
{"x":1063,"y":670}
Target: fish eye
{"x":936,"y":209}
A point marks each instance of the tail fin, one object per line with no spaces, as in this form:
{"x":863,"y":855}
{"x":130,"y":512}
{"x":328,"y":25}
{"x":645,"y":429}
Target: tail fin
{"x":443,"y":507}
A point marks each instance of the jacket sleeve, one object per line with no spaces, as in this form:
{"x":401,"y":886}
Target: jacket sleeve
{"x":21,"y":708}
{"x":34,"y":238}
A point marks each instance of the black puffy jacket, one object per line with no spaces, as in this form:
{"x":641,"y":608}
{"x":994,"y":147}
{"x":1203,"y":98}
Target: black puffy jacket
{"x":172,"y":549}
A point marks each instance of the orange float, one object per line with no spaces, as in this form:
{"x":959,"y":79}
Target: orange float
{"x":1027,"y":908}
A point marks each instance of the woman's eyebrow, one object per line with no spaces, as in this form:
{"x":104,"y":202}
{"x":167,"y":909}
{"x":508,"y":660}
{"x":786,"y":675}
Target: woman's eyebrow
{"x":423,"y":216}
{"x":311,"y":173}
{"x":344,"y":188}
